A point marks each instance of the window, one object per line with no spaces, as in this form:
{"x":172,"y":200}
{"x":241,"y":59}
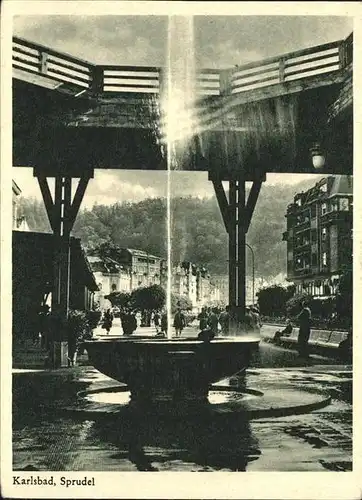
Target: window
{"x":343,"y":204}
{"x":334,"y":206}
{"x":323,"y":188}
{"x":313,"y":211}
{"x":324,"y":233}
{"x":324,"y":208}
{"x":314,"y":235}
{"x":324,"y":258}
{"x":314,"y":259}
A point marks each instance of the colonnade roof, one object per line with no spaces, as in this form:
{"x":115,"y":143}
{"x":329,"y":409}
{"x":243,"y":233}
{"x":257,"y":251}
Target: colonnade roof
{"x":71,"y":116}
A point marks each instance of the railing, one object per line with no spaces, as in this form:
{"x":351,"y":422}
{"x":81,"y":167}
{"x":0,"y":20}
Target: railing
{"x":42,"y":61}
{"x":64,"y":69}
{"x":293,"y":66}
{"x":302,"y":270}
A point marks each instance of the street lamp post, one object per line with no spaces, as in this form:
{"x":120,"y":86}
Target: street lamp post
{"x":253,"y":265}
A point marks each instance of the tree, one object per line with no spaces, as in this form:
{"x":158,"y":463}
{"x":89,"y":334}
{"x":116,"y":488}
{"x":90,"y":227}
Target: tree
{"x":150,"y":298}
{"x":180,"y":302}
{"x":272,"y":300}
{"x":120,"y":299}
{"x":198,"y":233}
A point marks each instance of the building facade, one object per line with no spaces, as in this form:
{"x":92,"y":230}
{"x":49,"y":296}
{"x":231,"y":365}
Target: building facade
{"x":110,"y":277}
{"x":133,"y":269}
{"x":319,"y":236}
{"x":136,"y":269}
{"x":220,"y":289}
{"x":192,"y":281}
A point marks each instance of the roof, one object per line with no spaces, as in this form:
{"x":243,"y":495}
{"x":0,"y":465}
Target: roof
{"x":40,"y":247}
{"x":336,"y":185}
{"x":342,"y":184}
{"x":141,"y":253}
{"x":16,"y":189}
{"x":105,"y":265}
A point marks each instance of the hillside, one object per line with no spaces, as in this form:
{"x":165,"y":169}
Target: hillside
{"x":198,"y":233}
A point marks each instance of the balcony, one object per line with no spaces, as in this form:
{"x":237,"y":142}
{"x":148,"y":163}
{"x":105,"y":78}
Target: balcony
{"x":302,"y":226}
{"x":302,"y":246}
{"x":303,"y":271}
{"x":336,"y":216}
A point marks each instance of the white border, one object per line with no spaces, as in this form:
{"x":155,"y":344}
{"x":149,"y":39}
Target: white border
{"x":270,"y":485}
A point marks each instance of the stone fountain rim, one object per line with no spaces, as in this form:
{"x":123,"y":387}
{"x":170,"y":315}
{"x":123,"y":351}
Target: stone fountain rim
{"x":218,"y":410}
{"x":161,"y":341}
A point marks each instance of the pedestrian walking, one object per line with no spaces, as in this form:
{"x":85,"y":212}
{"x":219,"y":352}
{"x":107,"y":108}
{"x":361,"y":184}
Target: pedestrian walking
{"x":203,"y":319}
{"x":213,"y":321}
{"x":179,"y":322}
{"x":164,"y":323}
{"x":224,"y":320}
{"x":129,"y":322}
{"x":107,"y":321}
{"x":157,"y":321}
{"x":304,"y":318}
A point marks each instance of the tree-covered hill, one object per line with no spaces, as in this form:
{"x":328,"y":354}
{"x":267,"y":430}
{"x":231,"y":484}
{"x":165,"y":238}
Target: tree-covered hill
{"x":197,"y":230}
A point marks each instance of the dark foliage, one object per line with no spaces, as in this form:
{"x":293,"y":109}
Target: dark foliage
{"x":151,"y":298}
{"x":198,"y":233}
{"x":344,"y":299}
{"x":272,"y":300}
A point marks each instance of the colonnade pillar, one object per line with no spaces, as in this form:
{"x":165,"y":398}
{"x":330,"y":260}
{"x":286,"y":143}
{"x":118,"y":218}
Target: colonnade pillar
{"x":62,"y":211}
{"x":237,"y":213}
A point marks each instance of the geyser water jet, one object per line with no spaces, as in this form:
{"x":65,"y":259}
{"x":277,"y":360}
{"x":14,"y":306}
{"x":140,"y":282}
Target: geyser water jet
{"x":178,"y":120}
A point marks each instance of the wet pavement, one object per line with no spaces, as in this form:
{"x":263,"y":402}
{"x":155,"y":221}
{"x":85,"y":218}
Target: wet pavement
{"x":54,"y":428}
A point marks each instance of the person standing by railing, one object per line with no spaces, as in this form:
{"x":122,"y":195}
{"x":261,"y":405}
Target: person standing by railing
{"x":304,"y":318}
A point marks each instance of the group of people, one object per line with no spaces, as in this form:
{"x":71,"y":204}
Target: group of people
{"x":217,"y":321}
{"x":128,"y":321}
{"x":161,"y":323}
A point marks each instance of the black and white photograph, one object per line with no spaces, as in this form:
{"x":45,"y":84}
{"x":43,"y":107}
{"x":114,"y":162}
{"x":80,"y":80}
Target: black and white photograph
{"x":180,"y":250}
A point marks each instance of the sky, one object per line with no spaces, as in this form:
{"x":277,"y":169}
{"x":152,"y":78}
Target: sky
{"x":219,"y":41}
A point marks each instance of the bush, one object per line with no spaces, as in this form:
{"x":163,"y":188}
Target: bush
{"x":79,"y":330}
{"x":78,"y":326}
{"x":344,"y":299}
{"x":272,"y":300}
{"x":323,"y":308}
{"x":94,"y":318}
{"x":294,"y":304}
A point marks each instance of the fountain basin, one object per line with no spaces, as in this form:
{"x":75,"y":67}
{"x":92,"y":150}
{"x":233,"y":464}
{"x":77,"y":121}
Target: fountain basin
{"x":163,"y":370}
